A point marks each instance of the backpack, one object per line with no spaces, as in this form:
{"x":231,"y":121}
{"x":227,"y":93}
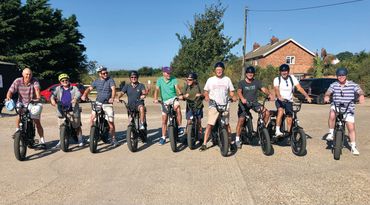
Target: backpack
{"x":291,"y":81}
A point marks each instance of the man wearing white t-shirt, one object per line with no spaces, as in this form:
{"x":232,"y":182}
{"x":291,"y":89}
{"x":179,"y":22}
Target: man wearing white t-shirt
{"x":217,"y":88}
{"x":284,"y":86}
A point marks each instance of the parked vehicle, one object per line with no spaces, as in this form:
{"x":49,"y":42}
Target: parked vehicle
{"x":340,"y":128}
{"x":172,"y":126}
{"x":262,"y":136}
{"x":100,"y":129}
{"x":219,"y":133}
{"x":296,"y":134}
{"x":133,"y":129}
{"x":315,"y":88}
{"x":46,"y":94}
{"x":25,"y":136}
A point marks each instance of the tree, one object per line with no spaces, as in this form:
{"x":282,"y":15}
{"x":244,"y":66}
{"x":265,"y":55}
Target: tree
{"x":318,"y":66}
{"x":206,"y":44}
{"x":45,"y":41}
{"x":344,"y":55}
{"x":9,"y":19}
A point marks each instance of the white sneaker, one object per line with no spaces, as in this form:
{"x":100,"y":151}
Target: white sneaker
{"x":80,"y":142}
{"x":278,"y":133}
{"x":57,"y":146}
{"x":355,"y":151}
{"x":238,"y":143}
{"x":42,"y":140}
{"x":329,"y":137}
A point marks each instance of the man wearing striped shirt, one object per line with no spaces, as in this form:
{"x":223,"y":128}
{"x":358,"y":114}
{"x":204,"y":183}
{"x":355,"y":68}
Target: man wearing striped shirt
{"x":344,"y":91}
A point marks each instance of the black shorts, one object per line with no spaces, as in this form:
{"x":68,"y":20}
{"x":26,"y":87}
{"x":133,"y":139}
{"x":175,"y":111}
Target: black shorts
{"x":255,"y":106}
{"x":287,"y":106}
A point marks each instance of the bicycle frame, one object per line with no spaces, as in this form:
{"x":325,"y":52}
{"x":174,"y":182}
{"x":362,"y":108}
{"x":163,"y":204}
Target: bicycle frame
{"x":99,"y":116}
{"x":27,"y":126}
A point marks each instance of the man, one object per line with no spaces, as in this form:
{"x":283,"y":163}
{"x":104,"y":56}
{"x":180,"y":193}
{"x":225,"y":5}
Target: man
{"x":193,"y":94}
{"x":28,"y":89}
{"x":344,"y":91}
{"x":217,"y":88}
{"x":136,"y":93}
{"x":68,"y":96}
{"x":248,"y":96}
{"x":106,"y":92}
{"x":168,"y":86}
{"x":284,"y":86}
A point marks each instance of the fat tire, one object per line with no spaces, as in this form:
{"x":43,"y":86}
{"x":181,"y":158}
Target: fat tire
{"x":224,"y":142}
{"x":338,"y":144}
{"x":191,"y":136}
{"x":298,"y":144}
{"x":265,"y":141}
{"x":64,"y":137}
{"x":171,"y":135}
{"x":132,"y":141}
{"x":20,"y":147}
{"x":94,"y":132}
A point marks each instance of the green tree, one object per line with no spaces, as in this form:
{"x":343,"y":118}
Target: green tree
{"x":47,"y":42}
{"x":318,"y":66}
{"x":9,"y":19}
{"x":206,"y":44}
{"x":344,"y":55}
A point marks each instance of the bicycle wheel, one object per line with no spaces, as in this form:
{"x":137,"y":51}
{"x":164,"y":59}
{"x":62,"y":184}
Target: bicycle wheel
{"x":132,"y":140}
{"x":265,"y":141}
{"x":298,"y":141}
{"x":249,"y":132}
{"x":105,"y":132}
{"x":172,"y":135}
{"x":94,"y":136}
{"x":64,"y":134}
{"x":20,"y":147}
{"x":338,"y":144}
{"x":224,"y":142}
{"x":191,"y":132}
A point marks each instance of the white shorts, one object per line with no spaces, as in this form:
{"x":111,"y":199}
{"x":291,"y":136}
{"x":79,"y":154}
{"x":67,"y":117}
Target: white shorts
{"x":349,"y":117}
{"x":169,"y":102}
{"x":109,"y":113}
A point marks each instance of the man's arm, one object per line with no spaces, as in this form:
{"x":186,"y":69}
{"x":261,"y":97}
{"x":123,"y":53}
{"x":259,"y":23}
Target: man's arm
{"x":111,"y":100}
{"x":301,"y":90}
{"x":206,"y":95}
{"x":156,"y":94}
{"x":241,"y":97}
{"x":86,"y":93}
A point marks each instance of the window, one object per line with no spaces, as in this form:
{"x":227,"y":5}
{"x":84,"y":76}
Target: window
{"x":255,"y":63}
{"x":290,"y":60}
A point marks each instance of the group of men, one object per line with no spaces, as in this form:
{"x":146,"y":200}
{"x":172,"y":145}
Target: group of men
{"x":218,"y":88}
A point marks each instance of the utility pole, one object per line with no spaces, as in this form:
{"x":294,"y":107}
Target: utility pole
{"x":245,"y":41}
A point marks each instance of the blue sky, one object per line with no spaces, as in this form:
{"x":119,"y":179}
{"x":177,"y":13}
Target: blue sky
{"x":131,"y":34}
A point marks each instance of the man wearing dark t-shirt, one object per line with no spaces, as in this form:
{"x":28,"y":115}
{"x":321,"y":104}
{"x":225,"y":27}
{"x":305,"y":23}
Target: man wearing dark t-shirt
{"x":248,"y":97}
{"x":136,"y":93}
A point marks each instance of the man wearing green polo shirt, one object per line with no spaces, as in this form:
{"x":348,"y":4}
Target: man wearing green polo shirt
{"x":167,"y":85}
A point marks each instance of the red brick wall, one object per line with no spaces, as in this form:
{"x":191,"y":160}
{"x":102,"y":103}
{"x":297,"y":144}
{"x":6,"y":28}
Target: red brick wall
{"x":303,"y":60}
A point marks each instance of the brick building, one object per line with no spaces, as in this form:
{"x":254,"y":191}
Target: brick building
{"x":299,"y":58}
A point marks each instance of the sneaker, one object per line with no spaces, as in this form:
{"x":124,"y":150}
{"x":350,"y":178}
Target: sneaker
{"x":80,"y":142}
{"x":162,"y":141}
{"x":233,"y":147}
{"x":329,"y":137}
{"x":355,"y":151}
{"x":57,"y":146}
{"x":142,"y":127}
{"x":88,"y":140}
{"x":278,"y":133}
{"x":180,"y":131}
{"x":114,"y":142}
{"x":203,"y":148}
{"x":42,"y":140}
{"x":238,"y":144}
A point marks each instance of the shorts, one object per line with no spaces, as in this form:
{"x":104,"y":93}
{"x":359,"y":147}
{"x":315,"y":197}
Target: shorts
{"x":75,"y":120}
{"x":349,"y":116}
{"x":109,"y":113}
{"x":198,"y":114}
{"x":255,"y":106}
{"x":169,"y":102}
{"x":213,"y":115}
{"x":287,"y":106}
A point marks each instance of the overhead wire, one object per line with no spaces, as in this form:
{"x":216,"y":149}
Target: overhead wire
{"x":304,"y":8}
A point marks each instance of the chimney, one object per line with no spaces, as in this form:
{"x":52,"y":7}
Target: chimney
{"x":255,"y":46}
{"x":273,"y":40}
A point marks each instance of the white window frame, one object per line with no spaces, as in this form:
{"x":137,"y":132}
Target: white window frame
{"x":290,"y":60}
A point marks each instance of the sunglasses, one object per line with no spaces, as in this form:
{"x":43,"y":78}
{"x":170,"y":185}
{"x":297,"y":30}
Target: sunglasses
{"x":341,"y":93}
{"x":104,"y":73}
{"x":64,"y":80}
{"x":133,"y":77}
